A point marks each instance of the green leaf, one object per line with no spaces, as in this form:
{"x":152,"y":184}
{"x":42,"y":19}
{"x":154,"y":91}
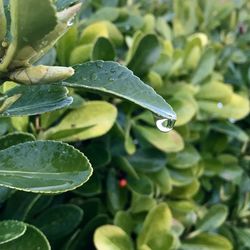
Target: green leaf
{"x":213,"y":219}
{"x":33,"y":239}
{"x":143,"y":185}
{"x":14,"y":138}
{"x":66,"y":44}
{"x":157,"y":221}
{"x":185,"y":108}
{"x":91,"y":188}
{"x":25,"y":200}
{"x":37,"y":100}
{"x":3,"y":22}
{"x":141,"y":203}
{"x":125,"y":221}
{"x":231,"y":130}
{"x":162,"y":179}
{"x":103,"y":50}
{"x":205,"y":67}
{"x":59,"y":221}
{"x":11,"y":230}
{"x":43,"y":166}
{"x":162,"y":241}
{"x":184,"y":211}
{"x":62,"y":4}
{"x":187,"y":191}
{"x":215,"y":91}
{"x":116,"y":196}
{"x":243,"y":234}
{"x":207,"y":242}
{"x":185,"y":158}
{"x":80,"y":54}
{"x":101,"y":29}
{"x":146,"y":54}
{"x":166,"y":142}
{"x":148,"y":160}
{"x":112,"y":78}
{"x":93,"y":119}
{"x":26,"y":36}
{"x":236,"y":109}
{"x":111,"y":237}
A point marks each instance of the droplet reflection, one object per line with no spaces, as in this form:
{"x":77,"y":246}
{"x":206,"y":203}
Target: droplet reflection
{"x":165,"y":125}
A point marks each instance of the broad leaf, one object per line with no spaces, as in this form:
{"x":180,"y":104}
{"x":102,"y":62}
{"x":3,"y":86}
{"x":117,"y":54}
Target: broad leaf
{"x":43,"y":166}
{"x":112,"y":78}
{"x":11,"y":230}
{"x":146,"y":54}
{"x":158,"y":221}
{"x":33,"y":239}
{"x":185,"y":158}
{"x":111,"y":237}
{"x":59,"y":221}
{"x":14,"y":138}
{"x":214,"y":218}
{"x":207,"y":242}
{"x":37,"y":100}
{"x":166,"y":142}
{"x":27,"y":36}
{"x":93,"y":119}
{"x":103,"y":50}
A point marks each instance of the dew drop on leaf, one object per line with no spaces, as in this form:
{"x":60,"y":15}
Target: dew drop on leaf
{"x":164,"y":125}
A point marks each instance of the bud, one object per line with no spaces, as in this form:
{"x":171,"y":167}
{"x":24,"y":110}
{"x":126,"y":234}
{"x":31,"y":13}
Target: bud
{"x":41,"y":74}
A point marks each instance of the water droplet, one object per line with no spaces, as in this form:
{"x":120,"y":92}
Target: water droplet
{"x":220,"y":105}
{"x":123,"y":75}
{"x":232,"y":120}
{"x":165,"y":125}
{"x":94,"y":76}
{"x":99,"y":64}
{"x":111,"y":79}
{"x":70,"y":22}
{"x":6,"y":114}
{"x":112,"y":71}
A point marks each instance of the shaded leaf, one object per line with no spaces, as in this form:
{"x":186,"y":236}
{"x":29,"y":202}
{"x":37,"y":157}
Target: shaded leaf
{"x":43,"y":166}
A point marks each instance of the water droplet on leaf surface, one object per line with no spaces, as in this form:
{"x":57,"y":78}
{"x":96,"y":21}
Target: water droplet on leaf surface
{"x":220,"y":105}
{"x":94,"y":76}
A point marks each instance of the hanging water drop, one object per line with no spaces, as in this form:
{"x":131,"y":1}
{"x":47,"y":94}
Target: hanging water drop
{"x":165,"y":125}
{"x":70,"y":22}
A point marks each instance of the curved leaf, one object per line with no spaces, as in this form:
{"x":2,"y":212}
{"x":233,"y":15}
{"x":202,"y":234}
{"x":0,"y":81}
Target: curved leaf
{"x":43,"y":166}
{"x":207,"y":242}
{"x":11,"y":230}
{"x":158,"y":221}
{"x":93,"y":119}
{"x":37,"y":99}
{"x":214,"y":218}
{"x":113,"y":78}
{"x":111,"y":237}
{"x":33,"y":239}
{"x":146,"y":54}
{"x":59,"y":221}
{"x":166,"y":142}
{"x":15,"y":138}
{"x":26,"y":36}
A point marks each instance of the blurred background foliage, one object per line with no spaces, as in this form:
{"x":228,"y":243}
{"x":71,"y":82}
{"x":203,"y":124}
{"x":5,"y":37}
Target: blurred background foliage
{"x":187,"y":189}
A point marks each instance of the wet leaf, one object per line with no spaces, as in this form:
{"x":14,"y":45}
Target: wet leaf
{"x":43,"y":166}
